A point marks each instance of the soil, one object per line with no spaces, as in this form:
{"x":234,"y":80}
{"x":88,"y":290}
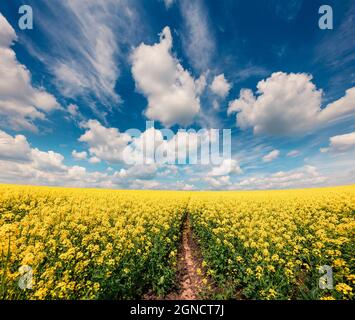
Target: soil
{"x":189,"y":260}
{"x":190,"y":282}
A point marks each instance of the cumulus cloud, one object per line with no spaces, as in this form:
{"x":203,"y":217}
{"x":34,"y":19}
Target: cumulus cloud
{"x":201,"y":83}
{"x":227,"y":167}
{"x":220,"y":86}
{"x":288,"y":104}
{"x":104,"y":143}
{"x":47,"y":161}
{"x":7,"y":33}
{"x":145,"y":184}
{"x":143,"y":172}
{"x":171,"y":91}
{"x":79,"y":155}
{"x":94,"y":160}
{"x":20,"y":102}
{"x":306,"y":176}
{"x":274,"y":154}
{"x":19,"y":163}
{"x":218,"y":182}
{"x":148,"y":147}
{"x":153,"y":146}
{"x":14,"y":148}
{"x":341,"y":143}
{"x":181,"y":185}
{"x":115,"y":147}
{"x":220,"y":176}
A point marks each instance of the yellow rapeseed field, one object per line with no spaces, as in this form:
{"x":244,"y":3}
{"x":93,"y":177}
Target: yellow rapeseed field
{"x":270,"y":244}
{"x":88,"y":244}
{"x":107,"y":244}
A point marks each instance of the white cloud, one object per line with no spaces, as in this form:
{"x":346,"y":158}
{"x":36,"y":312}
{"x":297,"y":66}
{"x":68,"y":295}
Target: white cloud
{"x":218,"y":182}
{"x":220,"y":86}
{"x":104,"y":143}
{"x":306,"y":176}
{"x":139,"y":156}
{"x":19,"y":163}
{"x":145,"y":184}
{"x":186,"y":187}
{"x":143,"y":172}
{"x":7,"y":33}
{"x":250,"y":71}
{"x":168,"y":3}
{"x":345,"y":106}
{"x":153,"y":147}
{"x":169,"y":170}
{"x":215,"y":104}
{"x":288,"y":104}
{"x":227,"y":167}
{"x":74,"y":113}
{"x":274,"y":154}
{"x":293,"y":153}
{"x":14,"y":148}
{"x":86,"y":55}
{"x":219,"y":177}
{"x":79,"y":155}
{"x":94,"y":160}
{"x":47,"y":161}
{"x":201,"y":83}
{"x":341,"y":143}
{"x":172,"y":93}
{"x":198,"y":40}
{"x":104,"y":72}
{"x":20,"y":103}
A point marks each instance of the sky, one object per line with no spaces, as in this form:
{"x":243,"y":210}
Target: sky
{"x":88,"y":71}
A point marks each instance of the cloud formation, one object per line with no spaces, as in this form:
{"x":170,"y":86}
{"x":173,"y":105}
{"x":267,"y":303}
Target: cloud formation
{"x":19,"y":163}
{"x":198,"y":41}
{"x":288,"y":104}
{"x":227,"y":167}
{"x":220,"y":86}
{"x":168,"y":3}
{"x":14,"y":148}
{"x":274,"y":154}
{"x":21,"y":104}
{"x":340,"y":143}
{"x":85,"y":54}
{"x":306,"y":176}
{"x":79,"y":155}
{"x":171,"y":91}
{"x":104,"y":143}
{"x":148,"y":147}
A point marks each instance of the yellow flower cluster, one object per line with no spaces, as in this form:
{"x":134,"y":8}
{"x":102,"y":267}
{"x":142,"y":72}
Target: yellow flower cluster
{"x":107,"y":244}
{"x":88,"y":244}
{"x":271,"y":244}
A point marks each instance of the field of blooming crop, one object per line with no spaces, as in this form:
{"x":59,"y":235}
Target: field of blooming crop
{"x":61,"y":243}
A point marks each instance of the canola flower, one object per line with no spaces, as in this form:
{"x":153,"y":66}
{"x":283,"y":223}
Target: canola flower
{"x":108,"y":244}
{"x":270,"y":244}
{"x":88,"y":244}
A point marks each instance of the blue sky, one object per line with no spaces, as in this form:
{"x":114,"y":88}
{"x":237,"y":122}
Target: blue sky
{"x":88,"y":71}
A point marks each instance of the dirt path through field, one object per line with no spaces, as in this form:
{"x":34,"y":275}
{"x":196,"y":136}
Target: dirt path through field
{"x":189,"y":268}
{"x":190,"y":280}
